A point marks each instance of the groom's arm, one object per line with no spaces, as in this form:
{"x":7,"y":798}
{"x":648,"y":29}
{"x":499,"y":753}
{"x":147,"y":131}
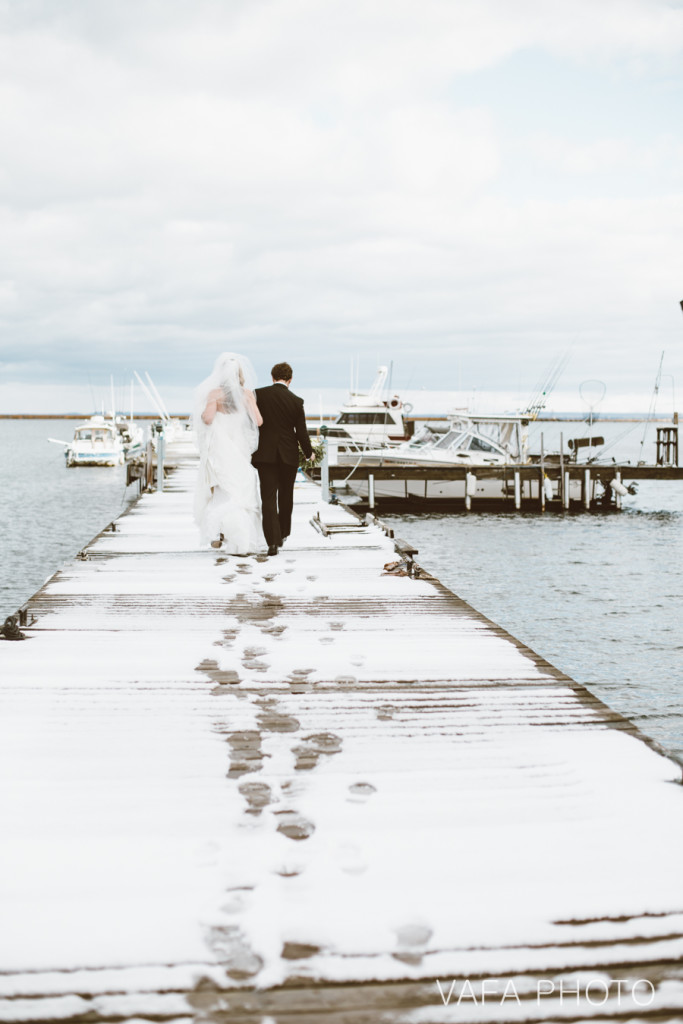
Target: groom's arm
{"x":301,"y":430}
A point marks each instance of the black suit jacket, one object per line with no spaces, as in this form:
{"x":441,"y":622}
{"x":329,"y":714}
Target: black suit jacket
{"x":283,"y":428}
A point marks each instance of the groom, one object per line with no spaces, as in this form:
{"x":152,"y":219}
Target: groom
{"x":277,"y":456}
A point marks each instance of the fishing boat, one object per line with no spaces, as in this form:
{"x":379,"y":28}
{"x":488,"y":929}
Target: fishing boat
{"x":371,"y":418}
{"x":470,"y":442}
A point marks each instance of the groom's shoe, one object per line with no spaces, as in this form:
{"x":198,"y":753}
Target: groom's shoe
{"x":273,"y":549}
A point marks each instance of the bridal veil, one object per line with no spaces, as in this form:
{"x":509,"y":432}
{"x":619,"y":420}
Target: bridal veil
{"x":227,"y":497}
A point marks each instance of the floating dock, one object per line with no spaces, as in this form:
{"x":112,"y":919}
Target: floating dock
{"x":575,"y":486}
{"x":312,"y":788}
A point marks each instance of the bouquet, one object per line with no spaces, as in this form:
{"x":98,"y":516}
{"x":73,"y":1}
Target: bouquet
{"x":318,"y":452}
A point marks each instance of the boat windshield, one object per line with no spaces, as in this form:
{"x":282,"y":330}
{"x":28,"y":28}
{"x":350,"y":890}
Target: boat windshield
{"x":365,"y":418}
{"x":94,"y":434}
{"x":422,"y":438}
{"x":478,"y":444}
{"x":451,"y":440}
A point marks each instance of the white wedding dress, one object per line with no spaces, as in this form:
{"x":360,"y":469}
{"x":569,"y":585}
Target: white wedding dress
{"x":227,"y":496}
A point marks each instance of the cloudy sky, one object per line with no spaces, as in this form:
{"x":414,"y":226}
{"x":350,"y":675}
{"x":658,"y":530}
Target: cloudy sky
{"x":471,"y":189}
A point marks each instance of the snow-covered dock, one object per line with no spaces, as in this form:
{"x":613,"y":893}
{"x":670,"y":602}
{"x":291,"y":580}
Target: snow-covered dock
{"x":301,"y":789}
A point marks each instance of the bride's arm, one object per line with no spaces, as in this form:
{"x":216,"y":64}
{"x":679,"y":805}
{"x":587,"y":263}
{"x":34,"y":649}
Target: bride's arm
{"x":211,"y":408}
{"x":253,"y":407}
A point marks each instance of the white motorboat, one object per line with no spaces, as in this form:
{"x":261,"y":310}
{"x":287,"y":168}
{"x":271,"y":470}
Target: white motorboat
{"x":471,"y":442}
{"x":371,"y":419}
{"x":104,"y":442}
{"x":96,"y":442}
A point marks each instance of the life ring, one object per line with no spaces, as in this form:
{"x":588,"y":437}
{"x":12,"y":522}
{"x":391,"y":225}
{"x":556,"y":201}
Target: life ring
{"x":395,"y":402}
{"x":407,"y":408}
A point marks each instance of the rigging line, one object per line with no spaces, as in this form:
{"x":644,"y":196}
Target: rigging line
{"x":653,"y":404}
{"x":353,"y":470}
{"x":546,"y":385}
{"x":619,"y":438}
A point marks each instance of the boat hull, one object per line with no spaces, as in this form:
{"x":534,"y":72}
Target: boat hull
{"x":94,"y":459}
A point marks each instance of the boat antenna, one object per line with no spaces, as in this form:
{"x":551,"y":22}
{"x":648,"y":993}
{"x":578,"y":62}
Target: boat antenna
{"x":388,"y":394}
{"x":149,"y":394}
{"x":592,"y":393}
{"x":653,"y":405}
{"x":92,"y":393}
{"x":113,"y":402}
{"x":159,"y":398}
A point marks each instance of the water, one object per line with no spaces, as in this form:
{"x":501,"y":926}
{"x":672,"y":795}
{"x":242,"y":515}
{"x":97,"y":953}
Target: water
{"x":599,"y":595}
{"x":47,"y":512}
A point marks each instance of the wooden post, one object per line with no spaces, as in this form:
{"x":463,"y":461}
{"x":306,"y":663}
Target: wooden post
{"x":542,"y":481}
{"x":149,"y":466}
{"x":371,"y":490}
{"x":561,"y":487}
{"x":325,"y":468}
{"x":587,"y":489}
{"x":565,"y":489}
{"x":617,"y":496}
{"x":161,"y":453}
{"x":518,"y":491}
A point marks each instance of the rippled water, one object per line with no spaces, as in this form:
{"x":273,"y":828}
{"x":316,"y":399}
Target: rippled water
{"x":599,"y":595}
{"x":47,"y":512}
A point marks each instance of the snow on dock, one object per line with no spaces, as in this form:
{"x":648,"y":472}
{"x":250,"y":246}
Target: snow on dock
{"x":301,"y":788}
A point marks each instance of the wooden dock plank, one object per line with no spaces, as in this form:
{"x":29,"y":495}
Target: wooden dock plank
{"x":240,"y":786}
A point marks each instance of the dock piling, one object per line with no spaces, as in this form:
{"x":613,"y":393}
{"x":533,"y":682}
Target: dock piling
{"x":541,"y":485}
{"x":325,"y":467}
{"x":161,"y":452}
{"x":587,"y":489}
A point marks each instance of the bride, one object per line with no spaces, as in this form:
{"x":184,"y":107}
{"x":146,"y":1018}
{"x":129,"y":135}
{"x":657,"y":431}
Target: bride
{"x":227,"y":504}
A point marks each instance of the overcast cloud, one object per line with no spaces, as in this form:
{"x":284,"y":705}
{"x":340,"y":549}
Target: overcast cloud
{"x":470,"y":188}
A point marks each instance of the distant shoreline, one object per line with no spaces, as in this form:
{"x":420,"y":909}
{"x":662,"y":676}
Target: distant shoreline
{"x":560,"y":417}
{"x":80,"y":416}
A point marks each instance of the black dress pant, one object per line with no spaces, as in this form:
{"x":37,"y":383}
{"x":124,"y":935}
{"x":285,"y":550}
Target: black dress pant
{"x":277,"y":498}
